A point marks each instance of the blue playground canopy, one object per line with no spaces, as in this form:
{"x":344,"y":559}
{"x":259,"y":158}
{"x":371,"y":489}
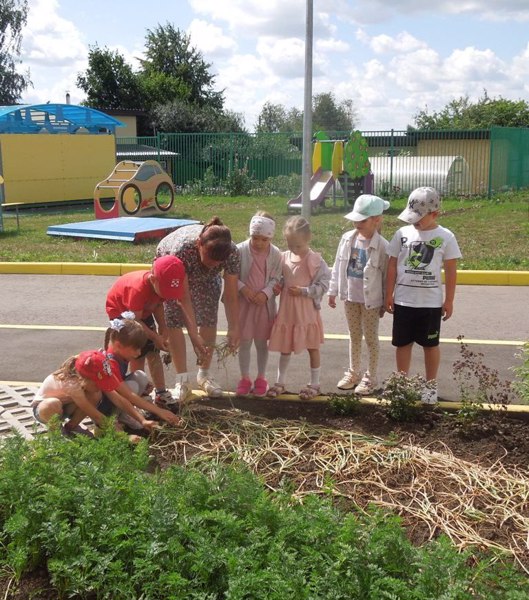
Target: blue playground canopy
{"x":55,"y":118}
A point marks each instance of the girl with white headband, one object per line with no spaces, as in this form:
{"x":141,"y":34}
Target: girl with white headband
{"x":260,"y":272}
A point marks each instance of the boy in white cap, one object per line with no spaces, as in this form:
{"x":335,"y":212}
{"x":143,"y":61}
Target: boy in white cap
{"x":414,"y":291}
{"x":358,"y":278}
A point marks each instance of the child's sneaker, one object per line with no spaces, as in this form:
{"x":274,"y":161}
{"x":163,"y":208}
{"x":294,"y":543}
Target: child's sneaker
{"x":349,"y":380}
{"x":182,"y":392}
{"x":164,"y":399}
{"x":244,"y":387}
{"x":260,"y":387}
{"x":210,"y":386}
{"x":367,"y":385}
{"x":429,"y":394}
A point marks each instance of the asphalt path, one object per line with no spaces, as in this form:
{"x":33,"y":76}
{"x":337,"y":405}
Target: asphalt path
{"x":46,"y":318}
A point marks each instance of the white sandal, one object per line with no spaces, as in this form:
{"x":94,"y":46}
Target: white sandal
{"x":276,"y":390}
{"x":309,"y":392}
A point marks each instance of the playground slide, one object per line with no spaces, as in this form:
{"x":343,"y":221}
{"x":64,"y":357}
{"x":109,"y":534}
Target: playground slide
{"x":320,"y":184}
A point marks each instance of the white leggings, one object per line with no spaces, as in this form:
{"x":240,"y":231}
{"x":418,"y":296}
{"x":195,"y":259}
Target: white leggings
{"x":261,"y":346}
{"x":362,"y":321}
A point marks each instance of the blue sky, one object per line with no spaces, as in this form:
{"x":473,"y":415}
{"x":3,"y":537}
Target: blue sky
{"x":391,"y":58}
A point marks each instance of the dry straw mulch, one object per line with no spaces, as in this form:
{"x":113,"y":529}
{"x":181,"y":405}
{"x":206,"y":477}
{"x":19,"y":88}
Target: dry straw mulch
{"x":433,"y":491}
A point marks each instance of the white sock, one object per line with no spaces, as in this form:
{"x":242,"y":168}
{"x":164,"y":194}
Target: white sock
{"x":315,"y":377}
{"x":202,"y":373}
{"x":181,"y":378}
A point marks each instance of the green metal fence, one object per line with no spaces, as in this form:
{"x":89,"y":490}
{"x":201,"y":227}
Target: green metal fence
{"x":461,"y":163}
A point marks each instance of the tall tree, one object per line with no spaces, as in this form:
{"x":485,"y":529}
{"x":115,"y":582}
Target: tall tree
{"x":169,"y":51}
{"x":487,"y":112}
{"x":331,"y":116}
{"x":180,"y":116}
{"x":327,"y":114}
{"x":109,"y":81}
{"x":13,"y":17}
{"x":272,"y":118}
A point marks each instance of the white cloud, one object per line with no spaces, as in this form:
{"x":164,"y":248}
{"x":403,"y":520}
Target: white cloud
{"x":380,"y":11}
{"x":49,"y":39}
{"x":210,"y":39}
{"x":401,"y":43}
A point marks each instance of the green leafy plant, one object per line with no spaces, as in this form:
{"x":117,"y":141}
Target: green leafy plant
{"x":103,"y":526}
{"x":522,"y":372}
{"x":403,"y":393}
{"x":238,"y":182}
{"x":478,"y":384}
{"x":344,"y":404}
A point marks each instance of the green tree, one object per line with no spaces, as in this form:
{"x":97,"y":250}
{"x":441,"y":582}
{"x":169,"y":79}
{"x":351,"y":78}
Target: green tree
{"x":169,"y":52}
{"x":181,"y":116}
{"x":330,"y":116}
{"x":487,"y":112}
{"x":109,"y":81}
{"x":13,"y":17}
{"x":327,"y":115}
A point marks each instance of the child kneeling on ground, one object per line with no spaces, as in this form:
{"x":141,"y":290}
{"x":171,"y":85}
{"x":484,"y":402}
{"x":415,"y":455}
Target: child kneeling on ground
{"x":75,"y":391}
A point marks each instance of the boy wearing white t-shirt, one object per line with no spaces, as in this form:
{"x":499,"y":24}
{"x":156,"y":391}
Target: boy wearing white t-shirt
{"x":414,"y":292}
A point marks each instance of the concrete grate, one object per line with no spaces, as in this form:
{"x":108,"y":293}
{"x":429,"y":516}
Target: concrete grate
{"x":16,"y":414}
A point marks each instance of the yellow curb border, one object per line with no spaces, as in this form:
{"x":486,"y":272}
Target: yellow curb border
{"x":513,"y":409}
{"x":516,"y":278}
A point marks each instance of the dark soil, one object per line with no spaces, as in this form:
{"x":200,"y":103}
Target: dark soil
{"x":490,"y":438}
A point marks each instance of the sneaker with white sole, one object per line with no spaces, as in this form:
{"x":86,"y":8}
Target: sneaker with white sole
{"x":429,"y":394}
{"x":210,"y":386}
{"x":349,"y":380}
{"x":182,"y":392}
{"x":368,"y":385}
{"x":164,"y":398}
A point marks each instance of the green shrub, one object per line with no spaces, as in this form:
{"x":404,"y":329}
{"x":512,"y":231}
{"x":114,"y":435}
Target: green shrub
{"x":403,"y":393}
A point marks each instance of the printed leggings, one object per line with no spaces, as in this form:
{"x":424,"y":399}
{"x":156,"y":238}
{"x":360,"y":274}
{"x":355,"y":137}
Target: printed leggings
{"x":362,"y":321}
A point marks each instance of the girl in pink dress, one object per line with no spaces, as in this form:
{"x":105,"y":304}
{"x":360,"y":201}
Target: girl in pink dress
{"x":298,"y":324}
{"x":260,"y":273}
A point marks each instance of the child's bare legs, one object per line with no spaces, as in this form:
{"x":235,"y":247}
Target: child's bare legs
{"x":48,"y":408}
{"x":432,"y":359}
{"x":154,"y":360}
{"x":403,"y":355}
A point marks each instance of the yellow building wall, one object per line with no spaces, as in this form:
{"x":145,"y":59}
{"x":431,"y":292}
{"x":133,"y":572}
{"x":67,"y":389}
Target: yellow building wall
{"x":475,"y":152}
{"x":130,"y":129}
{"x":54,"y":167}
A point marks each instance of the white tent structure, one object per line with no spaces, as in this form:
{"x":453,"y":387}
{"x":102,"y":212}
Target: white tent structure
{"x":448,"y":174}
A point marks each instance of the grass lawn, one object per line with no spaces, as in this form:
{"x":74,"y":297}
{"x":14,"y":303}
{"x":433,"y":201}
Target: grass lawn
{"x":493,"y":234}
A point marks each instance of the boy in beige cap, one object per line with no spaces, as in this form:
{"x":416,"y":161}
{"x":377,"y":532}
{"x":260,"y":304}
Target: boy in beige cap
{"x":414,"y":291}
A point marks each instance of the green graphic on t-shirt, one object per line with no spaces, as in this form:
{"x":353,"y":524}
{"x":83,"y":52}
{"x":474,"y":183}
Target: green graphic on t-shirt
{"x":421,"y":253}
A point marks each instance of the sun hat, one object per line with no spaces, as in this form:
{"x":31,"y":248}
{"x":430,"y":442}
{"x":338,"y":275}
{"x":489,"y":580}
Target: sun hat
{"x":421,"y":202}
{"x":367,"y":205}
{"x":169,"y":272}
{"x":97,"y":367}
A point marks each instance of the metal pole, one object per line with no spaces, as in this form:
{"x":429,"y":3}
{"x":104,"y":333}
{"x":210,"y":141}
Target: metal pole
{"x":306,"y":172}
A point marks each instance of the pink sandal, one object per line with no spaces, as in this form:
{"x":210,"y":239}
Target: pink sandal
{"x":309,"y":392}
{"x":276,"y":390}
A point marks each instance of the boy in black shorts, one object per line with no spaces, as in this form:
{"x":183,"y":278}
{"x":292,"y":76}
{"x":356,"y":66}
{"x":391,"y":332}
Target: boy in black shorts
{"x":414,"y":291}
